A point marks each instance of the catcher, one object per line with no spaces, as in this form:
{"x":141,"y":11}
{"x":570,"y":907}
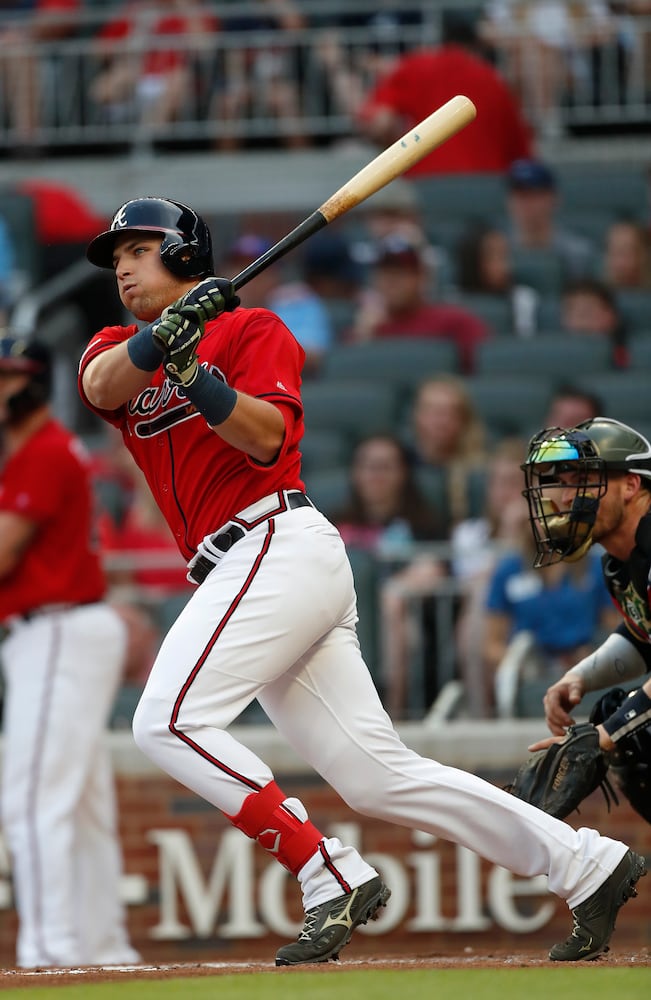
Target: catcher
{"x":592,"y":483}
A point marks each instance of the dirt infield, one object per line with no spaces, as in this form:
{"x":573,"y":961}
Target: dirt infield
{"x":15,"y":978}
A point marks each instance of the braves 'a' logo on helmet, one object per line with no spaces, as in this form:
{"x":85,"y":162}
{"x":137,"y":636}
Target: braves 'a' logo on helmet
{"x":119,"y":220}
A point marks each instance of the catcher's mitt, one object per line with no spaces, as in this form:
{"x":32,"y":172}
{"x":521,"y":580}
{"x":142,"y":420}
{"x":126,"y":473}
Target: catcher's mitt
{"x":559,"y":778}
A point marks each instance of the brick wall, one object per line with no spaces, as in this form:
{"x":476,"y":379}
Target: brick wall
{"x":443,"y":903}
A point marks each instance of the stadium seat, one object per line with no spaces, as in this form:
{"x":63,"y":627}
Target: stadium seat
{"x":625,"y":394}
{"x":639,"y":348}
{"x":323,"y":449}
{"x":402,"y":361}
{"x":464,"y":197}
{"x":495,"y":310}
{"x":328,"y":489}
{"x":540,"y":269}
{"x":354,"y":407}
{"x":546,"y":354}
{"x":511,"y":405}
{"x":617,"y":188}
{"x":636,"y":309}
{"x":366,"y":573}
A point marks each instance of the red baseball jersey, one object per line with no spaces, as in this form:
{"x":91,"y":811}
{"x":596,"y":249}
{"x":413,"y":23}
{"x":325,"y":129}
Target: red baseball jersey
{"x":423,"y":81}
{"x":199,"y":481}
{"x":48,"y":482}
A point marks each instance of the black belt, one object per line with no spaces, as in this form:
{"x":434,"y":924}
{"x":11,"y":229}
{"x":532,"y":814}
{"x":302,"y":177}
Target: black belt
{"x":224,"y":539}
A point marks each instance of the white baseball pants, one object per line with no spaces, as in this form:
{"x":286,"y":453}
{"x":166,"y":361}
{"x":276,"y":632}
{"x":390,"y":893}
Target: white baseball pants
{"x":276,"y":621}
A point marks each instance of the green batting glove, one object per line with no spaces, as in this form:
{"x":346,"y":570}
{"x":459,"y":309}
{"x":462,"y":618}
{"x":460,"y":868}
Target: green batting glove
{"x":179,"y":337}
{"x":205,"y":301}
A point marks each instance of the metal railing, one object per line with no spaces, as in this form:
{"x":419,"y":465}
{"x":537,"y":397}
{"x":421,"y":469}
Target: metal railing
{"x":323,"y":71}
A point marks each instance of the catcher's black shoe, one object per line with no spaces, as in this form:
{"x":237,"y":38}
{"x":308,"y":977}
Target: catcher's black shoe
{"x":594,"y":920}
{"x":330,"y":926}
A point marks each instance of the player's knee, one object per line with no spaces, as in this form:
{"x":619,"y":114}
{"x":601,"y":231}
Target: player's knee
{"x":150,"y":723}
{"x":364,"y":797}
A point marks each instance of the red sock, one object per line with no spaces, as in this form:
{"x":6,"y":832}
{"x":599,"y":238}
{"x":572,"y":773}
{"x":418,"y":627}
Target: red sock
{"x":264,"y":818}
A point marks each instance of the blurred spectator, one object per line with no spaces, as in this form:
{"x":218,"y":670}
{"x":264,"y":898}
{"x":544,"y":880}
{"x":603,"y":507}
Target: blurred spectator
{"x":7,"y":271}
{"x":562,"y":607}
{"x":399,"y":303}
{"x":385,"y":503}
{"x":626,"y":262}
{"x":544,"y":45}
{"x":570,"y":405}
{"x":351,"y":68}
{"x":302,"y":304}
{"x":261,"y":79}
{"x":425,"y":79}
{"x":396,"y":210}
{"x":140,"y":80}
{"x":484,"y":266}
{"x":151,"y":566}
{"x":386,"y":513}
{"x":448,"y":436}
{"x":25,"y":67}
{"x":242,"y":252}
{"x":319,"y":304}
{"x":589,"y":308}
{"x":476,"y":544}
{"x":534,"y":225}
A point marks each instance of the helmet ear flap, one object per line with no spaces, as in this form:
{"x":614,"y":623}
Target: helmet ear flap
{"x":182,"y":256}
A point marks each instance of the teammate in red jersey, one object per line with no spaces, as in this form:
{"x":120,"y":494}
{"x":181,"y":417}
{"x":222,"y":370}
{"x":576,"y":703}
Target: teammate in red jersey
{"x":62,"y":661}
{"x":207,"y":396}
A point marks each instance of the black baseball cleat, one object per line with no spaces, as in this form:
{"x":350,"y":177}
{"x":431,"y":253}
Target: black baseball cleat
{"x":594,"y":920}
{"x":330,"y":926}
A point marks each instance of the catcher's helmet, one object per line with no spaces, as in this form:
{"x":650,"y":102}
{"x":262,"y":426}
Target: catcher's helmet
{"x":590,"y":451}
{"x":26,"y":357}
{"x":186,"y":249}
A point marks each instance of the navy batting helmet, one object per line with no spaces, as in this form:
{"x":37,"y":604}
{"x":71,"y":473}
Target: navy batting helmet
{"x":26,"y":357}
{"x":186,"y":249}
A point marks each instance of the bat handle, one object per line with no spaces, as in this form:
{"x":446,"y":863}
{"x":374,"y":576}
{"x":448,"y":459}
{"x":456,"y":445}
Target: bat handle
{"x":306,"y":228}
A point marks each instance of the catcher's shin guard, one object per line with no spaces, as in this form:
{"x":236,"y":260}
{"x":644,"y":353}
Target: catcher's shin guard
{"x":265,"y":817}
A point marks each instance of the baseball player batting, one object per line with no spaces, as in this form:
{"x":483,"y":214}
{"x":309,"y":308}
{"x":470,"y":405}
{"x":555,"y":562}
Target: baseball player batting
{"x":208,"y":398}
{"x":62,"y":662}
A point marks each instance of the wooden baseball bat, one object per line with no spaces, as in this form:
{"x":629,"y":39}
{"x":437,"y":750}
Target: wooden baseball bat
{"x":420,"y":140}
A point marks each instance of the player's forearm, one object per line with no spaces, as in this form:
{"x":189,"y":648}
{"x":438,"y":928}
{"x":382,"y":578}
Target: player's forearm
{"x":111,"y":379}
{"x":618,"y":659}
{"x":255,"y":427}
{"x":16,"y":533}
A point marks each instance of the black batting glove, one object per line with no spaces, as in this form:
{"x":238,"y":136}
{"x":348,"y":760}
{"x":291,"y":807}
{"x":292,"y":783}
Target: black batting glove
{"x":179,"y":338}
{"x":205,"y":301}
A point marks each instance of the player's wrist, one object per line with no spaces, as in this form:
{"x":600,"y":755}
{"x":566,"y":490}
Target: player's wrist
{"x":143,"y":350}
{"x":632,"y":714}
{"x":213,"y":398}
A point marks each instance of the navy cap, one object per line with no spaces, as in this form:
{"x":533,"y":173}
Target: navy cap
{"x":530,"y":175}
{"x":249,"y":245}
{"x":395,"y":250}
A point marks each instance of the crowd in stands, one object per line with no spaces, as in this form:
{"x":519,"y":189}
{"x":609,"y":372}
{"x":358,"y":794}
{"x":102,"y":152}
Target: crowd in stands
{"x":158,"y":63}
{"x":431,"y":494}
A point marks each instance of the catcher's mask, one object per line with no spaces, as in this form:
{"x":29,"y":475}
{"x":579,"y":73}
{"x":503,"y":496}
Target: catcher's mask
{"x":26,"y":357}
{"x":186,"y":249}
{"x":587,"y":454}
